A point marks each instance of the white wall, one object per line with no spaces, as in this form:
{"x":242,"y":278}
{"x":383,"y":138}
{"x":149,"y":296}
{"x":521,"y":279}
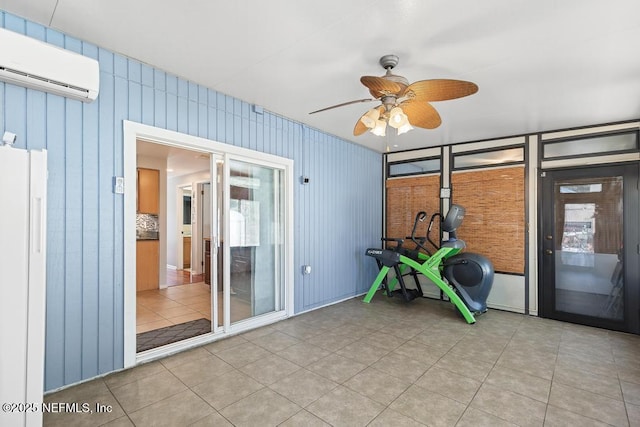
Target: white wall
{"x":174,"y":205}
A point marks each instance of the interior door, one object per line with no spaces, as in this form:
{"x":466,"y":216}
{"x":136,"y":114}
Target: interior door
{"x":589,"y":246}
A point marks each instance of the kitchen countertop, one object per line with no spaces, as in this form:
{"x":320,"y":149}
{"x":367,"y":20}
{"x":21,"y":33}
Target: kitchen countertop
{"x":147,"y":235}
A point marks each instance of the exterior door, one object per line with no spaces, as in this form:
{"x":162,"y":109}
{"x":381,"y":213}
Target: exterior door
{"x":589,"y":246}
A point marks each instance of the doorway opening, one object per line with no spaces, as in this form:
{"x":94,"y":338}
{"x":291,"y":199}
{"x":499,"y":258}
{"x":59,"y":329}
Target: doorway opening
{"x":176,"y":305}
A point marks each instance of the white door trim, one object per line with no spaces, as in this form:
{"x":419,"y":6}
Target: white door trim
{"x":136,"y":131}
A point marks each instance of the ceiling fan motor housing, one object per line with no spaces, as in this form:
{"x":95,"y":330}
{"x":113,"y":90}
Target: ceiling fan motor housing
{"x":389,"y":101}
{"x":389,"y":62}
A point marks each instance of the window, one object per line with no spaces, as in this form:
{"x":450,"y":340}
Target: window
{"x":405,"y":198}
{"x":606,"y":144}
{"x":489,"y":158}
{"x":414,"y":167}
{"x":494,"y":223}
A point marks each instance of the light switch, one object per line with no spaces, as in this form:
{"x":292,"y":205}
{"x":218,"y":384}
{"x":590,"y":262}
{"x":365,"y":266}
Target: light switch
{"x":118,"y":184}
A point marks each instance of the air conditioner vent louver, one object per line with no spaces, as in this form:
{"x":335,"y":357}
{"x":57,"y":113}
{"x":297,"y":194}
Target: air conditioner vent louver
{"x":44,"y":79}
{"x":34,"y":64}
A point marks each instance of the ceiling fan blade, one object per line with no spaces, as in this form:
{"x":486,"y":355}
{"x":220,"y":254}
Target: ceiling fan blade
{"x":343,"y":104}
{"x":360,"y":128}
{"x":379,"y":86}
{"x":421,"y":114}
{"x":439,"y":90}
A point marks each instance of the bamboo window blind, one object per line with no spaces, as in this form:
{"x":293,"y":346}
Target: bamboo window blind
{"x":494,"y":223}
{"x":405,"y":198}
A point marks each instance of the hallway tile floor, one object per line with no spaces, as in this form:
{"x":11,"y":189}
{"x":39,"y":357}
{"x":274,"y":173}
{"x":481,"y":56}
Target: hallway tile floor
{"x":381,"y":364}
{"x":158,"y":308}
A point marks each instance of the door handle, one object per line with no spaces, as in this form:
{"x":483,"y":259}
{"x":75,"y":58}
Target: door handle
{"x":548,"y":237}
{"x":548,"y":252}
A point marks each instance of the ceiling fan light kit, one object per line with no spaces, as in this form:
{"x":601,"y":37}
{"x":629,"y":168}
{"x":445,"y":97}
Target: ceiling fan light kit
{"x":398,"y":119}
{"x":380,"y":128}
{"x":404,"y":105}
{"x":370,"y":118}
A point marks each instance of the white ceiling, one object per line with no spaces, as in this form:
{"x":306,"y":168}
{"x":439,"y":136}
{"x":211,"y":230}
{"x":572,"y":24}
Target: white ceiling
{"x":540,"y":65}
{"x":179,"y":161}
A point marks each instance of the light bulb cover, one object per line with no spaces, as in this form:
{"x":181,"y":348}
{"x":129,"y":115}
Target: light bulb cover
{"x":395,"y":116}
{"x":370,"y":118}
{"x":380,"y":128}
{"x":405,"y":128}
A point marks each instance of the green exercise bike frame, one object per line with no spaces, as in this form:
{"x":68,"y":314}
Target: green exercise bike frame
{"x":430,"y":268}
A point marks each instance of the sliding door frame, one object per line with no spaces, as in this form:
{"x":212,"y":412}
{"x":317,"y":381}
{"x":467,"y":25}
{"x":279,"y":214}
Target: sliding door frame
{"x":136,"y":131}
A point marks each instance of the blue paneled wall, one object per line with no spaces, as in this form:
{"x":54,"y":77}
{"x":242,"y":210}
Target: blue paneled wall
{"x":337,"y":215}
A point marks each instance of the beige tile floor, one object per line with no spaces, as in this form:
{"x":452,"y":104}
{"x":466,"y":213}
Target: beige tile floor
{"x":382,"y":364}
{"x":159,"y":308}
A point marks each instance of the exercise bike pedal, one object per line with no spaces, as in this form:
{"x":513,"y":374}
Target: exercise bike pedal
{"x":407,"y":294}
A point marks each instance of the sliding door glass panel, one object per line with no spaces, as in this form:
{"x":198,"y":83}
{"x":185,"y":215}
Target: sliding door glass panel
{"x":256,"y":214}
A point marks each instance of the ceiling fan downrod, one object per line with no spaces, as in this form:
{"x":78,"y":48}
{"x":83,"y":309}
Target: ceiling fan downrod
{"x":388,"y":62}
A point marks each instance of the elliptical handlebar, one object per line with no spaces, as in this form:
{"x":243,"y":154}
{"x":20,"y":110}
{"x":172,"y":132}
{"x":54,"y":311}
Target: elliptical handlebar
{"x":420,"y":217}
{"x":431,"y":221}
{"x":391,"y":239}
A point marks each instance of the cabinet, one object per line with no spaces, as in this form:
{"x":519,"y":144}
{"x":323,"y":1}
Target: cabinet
{"x":148,"y":191}
{"x":23,"y":263}
{"x":186,"y":252}
{"x":147,"y":264}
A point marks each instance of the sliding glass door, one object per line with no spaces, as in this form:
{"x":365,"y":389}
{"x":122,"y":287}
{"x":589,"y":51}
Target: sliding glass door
{"x":242,"y":237}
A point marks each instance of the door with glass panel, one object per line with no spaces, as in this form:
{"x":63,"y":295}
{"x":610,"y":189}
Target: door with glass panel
{"x":254,"y":240}
{"x":589,"y":246}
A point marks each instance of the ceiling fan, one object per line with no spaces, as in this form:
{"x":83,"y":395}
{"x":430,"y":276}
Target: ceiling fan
{"x":404,"y":105}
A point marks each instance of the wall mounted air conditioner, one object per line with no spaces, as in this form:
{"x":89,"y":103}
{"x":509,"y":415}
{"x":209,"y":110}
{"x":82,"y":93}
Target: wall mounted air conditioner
{"x":28,"y":62}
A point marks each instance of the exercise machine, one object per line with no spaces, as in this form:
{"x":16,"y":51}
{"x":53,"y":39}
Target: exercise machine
{"x":388,"y":285}
{"x":465,"y":278}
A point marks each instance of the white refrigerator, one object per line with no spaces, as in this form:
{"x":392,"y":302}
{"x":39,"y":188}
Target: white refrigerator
{"x":23,"y":207}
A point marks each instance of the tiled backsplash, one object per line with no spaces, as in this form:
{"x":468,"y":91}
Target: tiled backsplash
{"x":147,"y":226}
